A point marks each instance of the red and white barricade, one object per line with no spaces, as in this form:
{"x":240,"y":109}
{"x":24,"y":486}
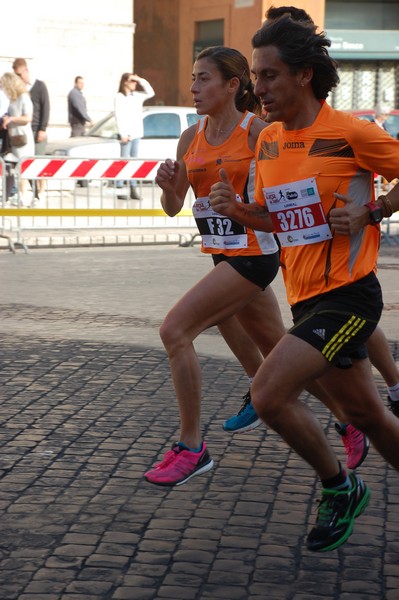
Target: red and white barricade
{"x":75,"y":195}
{"x":89,"y":169}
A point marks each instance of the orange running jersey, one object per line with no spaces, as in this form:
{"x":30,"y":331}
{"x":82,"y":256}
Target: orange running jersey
{"x":220,"y":234}
{"x":297,"y":174}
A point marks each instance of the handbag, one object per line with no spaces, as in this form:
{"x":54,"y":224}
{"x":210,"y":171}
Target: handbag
{"x":18,"y":140}
{"x":4,"y":142}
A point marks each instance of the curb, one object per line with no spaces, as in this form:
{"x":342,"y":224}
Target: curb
{"x":34,"y":239}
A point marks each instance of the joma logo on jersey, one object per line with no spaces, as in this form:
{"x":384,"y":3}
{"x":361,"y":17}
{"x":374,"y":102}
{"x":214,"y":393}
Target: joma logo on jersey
{"x":293,"y":145}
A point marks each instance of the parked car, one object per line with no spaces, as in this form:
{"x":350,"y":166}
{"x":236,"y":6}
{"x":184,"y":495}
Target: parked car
{"x":163,"y":126}
{"x":391,"y":122}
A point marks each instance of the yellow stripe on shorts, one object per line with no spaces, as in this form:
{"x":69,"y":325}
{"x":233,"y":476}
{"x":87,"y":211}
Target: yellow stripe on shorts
{"x":347,"y":331}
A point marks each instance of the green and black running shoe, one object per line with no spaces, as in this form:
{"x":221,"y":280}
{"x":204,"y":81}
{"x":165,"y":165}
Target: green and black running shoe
{"x":336,"y":515}
{"x":393,"y":406}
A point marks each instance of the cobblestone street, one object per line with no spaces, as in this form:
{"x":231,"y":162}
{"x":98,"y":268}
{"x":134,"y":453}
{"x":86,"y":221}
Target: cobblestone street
{"x":87,"y":405}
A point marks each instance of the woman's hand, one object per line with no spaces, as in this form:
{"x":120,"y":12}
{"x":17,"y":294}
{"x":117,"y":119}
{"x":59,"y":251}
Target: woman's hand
{"x":167,"y":175}
{"x":5,"y":121}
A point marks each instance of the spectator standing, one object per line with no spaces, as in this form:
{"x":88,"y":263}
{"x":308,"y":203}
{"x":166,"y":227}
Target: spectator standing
{"x":41,"y":112}
{"x":18,"y":122}
{"x":77,"y":108}
{"x":132,"y":93}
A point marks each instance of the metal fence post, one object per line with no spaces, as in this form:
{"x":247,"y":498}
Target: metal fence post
{"x":6,"y":224}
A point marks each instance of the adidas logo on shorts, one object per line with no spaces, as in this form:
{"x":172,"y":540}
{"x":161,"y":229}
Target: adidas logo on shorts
{"x":320,"y":332}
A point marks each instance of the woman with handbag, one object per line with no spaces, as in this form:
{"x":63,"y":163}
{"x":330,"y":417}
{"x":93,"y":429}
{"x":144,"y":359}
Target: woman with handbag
{"x":18,"y":123}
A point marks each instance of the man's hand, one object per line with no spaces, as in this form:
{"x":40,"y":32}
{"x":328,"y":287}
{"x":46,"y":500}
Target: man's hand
{"x":41,"y":136}
{"x":350,"y":218}
{"x":222,"y":196}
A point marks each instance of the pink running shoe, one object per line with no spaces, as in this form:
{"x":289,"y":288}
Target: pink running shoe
{"x":179,"y":465}
{"x":356,"y":444}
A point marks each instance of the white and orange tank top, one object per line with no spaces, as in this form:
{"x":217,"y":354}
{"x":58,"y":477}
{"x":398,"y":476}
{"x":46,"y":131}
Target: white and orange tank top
{"x":220,"y":234}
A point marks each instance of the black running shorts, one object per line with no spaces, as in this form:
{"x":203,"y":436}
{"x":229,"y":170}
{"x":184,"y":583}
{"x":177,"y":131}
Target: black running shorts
{"x":260,"y":269}
{"x":339,"y":323}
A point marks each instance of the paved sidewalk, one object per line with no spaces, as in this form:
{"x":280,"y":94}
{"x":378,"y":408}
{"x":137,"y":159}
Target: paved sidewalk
{"x":87,"y":405}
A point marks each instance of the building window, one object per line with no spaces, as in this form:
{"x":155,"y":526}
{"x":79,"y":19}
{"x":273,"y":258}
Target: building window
{"x":362,"y":14}
{"x":366,"y":85}
{"x":243,"y":3}
{"x":208,"y":33}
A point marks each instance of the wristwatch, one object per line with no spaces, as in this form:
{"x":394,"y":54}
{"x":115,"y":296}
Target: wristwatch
{"x":376,"y":212}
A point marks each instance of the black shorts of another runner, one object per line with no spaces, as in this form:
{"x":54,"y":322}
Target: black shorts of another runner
{"x":260,"y":269}
{"x":339,"y":323}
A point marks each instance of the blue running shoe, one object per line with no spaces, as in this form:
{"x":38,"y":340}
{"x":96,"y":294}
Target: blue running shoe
{"x":245,"y":420}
